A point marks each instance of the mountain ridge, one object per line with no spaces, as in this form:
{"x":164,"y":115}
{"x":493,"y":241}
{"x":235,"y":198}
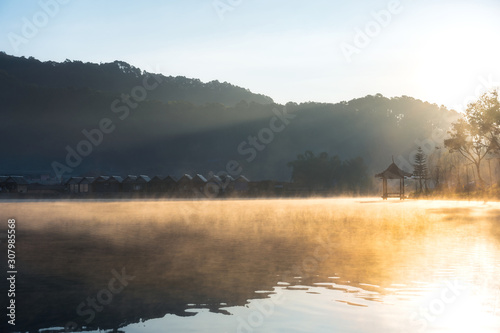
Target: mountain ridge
{"x":119,"y":76}
{"x":152,"y":136}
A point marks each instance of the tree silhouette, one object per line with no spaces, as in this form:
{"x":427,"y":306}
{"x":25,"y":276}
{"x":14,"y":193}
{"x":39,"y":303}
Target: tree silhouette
{"x":475,"y":135}
{"x":484,"y":115}
{"x":185,"y":124}
{"x":420,"y":167}
{"x":326,"y":173}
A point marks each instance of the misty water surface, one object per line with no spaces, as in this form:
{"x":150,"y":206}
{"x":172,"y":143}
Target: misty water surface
{"x":326,"y":265}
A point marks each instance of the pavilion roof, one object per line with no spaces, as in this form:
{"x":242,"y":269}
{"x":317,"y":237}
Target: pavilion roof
{"x":393,"y":172}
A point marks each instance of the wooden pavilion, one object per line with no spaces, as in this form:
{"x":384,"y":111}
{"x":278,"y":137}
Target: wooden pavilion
{"x":393,"y":172}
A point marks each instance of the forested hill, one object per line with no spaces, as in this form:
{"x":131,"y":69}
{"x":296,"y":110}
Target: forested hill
{"x":119,"y":77}
{"x":41,"y":122}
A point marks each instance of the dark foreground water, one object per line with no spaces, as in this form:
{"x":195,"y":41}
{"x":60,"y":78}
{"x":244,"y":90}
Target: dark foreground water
{"x":329,"y":265}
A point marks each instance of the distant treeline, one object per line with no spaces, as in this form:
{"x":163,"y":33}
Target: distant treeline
{"x":330,"y":173}
{"x":120,"y":77}
{"x":51,"y":112}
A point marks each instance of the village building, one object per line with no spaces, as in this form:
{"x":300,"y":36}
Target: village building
{"x":241,"y":185}
{"x":199,"y":182}
{"x":227,"y":184}
{"x":170,"y":184}
{"x":214,"y":186}
{"x":76,"y":185}
{"x":13,"y":184}
{"x":73,"y":184}
{"x":156,"y":185}
{"x":166,"y":185}
{"x":86,"y":185}
{"x":185,"y":185}
{"x":135,"y":183}
{"x":107,"y":184}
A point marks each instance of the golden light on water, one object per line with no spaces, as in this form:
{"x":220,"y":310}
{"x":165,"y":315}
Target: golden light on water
{"x":357,"y":253}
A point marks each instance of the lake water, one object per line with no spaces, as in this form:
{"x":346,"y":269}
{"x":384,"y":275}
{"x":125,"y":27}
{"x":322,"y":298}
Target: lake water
{"x":316,"y":265}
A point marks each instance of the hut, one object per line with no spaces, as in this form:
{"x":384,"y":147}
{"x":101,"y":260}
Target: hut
{"x":156,"y":185}
{"x":241,"y":184}
{"x":13,"y":184}
{"x":2,"y":183}
{"x":21,"y":184}
{"x":393,"y":172}
{"x":185,"y":185}
{"x":214,"y":179}
{"x":73,"y":184}
{"x":135,"y":183}
{"x":214,"y":186}
{"x":170,"y":184}
{"x":199,"y":183}
{"x":129,"y":183}
{"x":227,"y":184}
{"x":104,"y":184}
{"x":85,"y":185}
{"x":79,"y":185}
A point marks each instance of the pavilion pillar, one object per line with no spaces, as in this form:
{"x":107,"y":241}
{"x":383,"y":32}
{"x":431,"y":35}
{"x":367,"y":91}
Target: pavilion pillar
{"x":384,"y":185}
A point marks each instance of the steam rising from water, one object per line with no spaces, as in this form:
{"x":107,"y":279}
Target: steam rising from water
{"x":218,"y":254}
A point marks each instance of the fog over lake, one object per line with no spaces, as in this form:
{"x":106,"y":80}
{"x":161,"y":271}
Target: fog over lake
{"x":309,"y":265}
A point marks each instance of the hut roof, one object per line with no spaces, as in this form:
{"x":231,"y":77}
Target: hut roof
{"x":185,"y":177}
{"x":87,"y":180}
{"x":74,"y":180}
{"x":136,"y":179}
{"x":130,"y":178}
{"x":144,"y":178}
{"x":227,"y":178}
{"x":393,"y":172}
{"x":19,"y":180}
{"x":200,"y":177}
{"x":242,"y":178}
{"x":156,"y":179}
{"x":101,"y":179}
{"x":169,"y":179}
{"x":117,"y":178}
{"x":214,"y":179}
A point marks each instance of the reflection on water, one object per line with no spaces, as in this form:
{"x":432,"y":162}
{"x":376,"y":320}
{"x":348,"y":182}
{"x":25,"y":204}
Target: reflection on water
{"x":325,"y":265}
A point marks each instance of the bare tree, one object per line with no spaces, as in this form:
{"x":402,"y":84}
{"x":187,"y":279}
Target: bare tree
{"x":470,"y":142}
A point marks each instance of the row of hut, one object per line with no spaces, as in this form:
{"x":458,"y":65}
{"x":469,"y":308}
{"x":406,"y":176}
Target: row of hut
{"x":185,"y":186}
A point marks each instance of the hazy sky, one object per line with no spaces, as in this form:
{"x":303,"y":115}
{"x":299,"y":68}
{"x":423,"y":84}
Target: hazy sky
{"x":441,"y":51}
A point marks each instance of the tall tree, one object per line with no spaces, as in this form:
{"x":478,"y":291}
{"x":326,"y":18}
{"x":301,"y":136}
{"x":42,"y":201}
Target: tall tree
{"x":420,"y":167}
{"x":471,"y":141}
{"x":476,"y":134}
{"x":484,"y":114}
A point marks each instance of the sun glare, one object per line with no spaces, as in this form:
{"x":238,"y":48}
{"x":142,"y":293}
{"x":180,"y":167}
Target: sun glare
{"x":455,"y":63}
